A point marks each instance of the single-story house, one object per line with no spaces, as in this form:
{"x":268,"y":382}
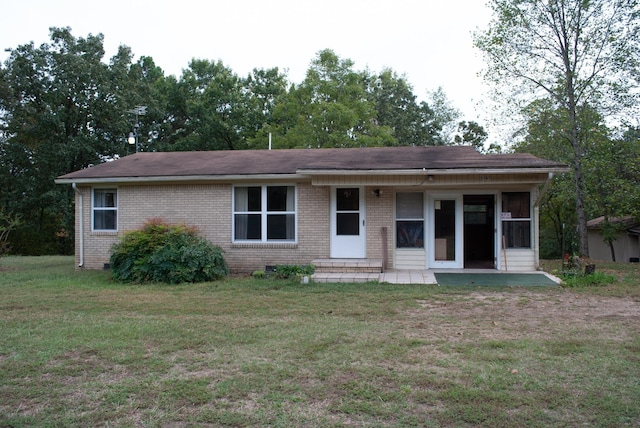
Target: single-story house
{"x":406,"y":207}
{"x":626,"y":247}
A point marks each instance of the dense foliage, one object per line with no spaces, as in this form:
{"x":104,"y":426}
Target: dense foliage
{"x":577,"y":60}
{"x":64,"y":108}
{"x":570,"y":65}
{"x":293,"y":271}
{"x":172,"y":254}
{"x":610,"y":171}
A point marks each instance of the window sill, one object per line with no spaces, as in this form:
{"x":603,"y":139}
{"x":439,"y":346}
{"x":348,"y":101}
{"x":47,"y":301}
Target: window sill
{"x":265,"y":245}
{"x":104,"y":232}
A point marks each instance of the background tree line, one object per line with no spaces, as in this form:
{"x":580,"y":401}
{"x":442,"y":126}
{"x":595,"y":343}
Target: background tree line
{"x":567,"y":69}
{"x":570,"y":70}
{"x":63,"y":107}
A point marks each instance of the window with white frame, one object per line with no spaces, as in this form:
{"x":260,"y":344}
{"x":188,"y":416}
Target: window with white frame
{"x":516,"y":219}
{"x":105,"y":209}
{"x":410,"y":220}
{"x":264,"y":213}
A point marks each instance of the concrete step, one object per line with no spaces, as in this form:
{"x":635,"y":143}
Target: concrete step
{"x":373,"y":266}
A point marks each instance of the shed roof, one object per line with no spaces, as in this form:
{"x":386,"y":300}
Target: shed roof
{"x":217,"y":164}
{"x":629,"y":222}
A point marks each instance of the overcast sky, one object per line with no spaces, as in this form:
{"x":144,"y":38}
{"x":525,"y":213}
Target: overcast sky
{"x":428,"y":41}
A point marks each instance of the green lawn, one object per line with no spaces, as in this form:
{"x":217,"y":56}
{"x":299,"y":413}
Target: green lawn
{"x":77,"y":349}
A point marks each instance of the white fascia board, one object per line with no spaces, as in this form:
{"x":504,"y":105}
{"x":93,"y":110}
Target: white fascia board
{"x":424,"y":171}
{"x":177,"y":179}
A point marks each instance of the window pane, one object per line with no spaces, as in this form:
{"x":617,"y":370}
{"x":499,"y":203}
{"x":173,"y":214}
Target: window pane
{"x":348,"y":199}
{"x":517,"y":233}
{"x":254,"y":196}
{"x":105,"y":219}
{"x":247,"y":199}
{"x":517,"y":203}
{"x":410,"y":234}
{"x":281,"y":226}
{"x":240,"y":199}
{"x":248,"y":226}
{"x":475,"y":214}
{"x":409,"y":205}
{"x":445,"y":230}
{"x":105,"y":198}
{"x":348,"y":224}
{"x":277,"y":198}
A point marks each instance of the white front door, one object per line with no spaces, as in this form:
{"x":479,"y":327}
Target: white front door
{"x":348,"y":224}
{"x":445,"y":231}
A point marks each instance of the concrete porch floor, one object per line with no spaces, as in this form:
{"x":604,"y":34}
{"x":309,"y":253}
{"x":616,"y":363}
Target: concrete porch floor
{"x":390,"y":277}
{"x":426,"y":277}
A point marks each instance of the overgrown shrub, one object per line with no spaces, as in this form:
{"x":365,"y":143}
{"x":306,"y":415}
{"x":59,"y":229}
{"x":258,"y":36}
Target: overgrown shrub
{"x":293,"y":271}
{"x":590,"y":280}
{"x":160,"y":252}
{"x":259,"y":274}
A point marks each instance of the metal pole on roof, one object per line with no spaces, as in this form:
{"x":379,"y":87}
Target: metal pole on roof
{"x":133,"y":136}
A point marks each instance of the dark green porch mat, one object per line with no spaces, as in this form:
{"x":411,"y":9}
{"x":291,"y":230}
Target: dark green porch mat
{"x":497,"y":279}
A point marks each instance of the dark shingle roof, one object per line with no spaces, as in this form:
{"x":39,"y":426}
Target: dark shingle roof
{"x":629,"y":222}
{"x":292,"y":161}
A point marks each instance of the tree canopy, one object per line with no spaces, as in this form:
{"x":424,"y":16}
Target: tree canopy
{"x":577,"y":57}
{"x":63,"y":107}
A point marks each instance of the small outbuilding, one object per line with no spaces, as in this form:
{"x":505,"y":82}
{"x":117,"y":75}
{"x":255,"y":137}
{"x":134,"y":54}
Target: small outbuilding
{"x":626,"y":247}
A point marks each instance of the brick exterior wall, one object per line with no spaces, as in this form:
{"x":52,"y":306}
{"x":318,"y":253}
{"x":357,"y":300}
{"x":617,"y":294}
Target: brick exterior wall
{"x":208,"y":207}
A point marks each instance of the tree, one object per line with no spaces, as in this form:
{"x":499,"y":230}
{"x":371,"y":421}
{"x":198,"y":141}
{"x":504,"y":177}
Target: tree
{"x":472,"y":134}
{"x":330,"y":108}
{"x":62,"y":110}
{"x":545,"y":124}
{"x":611,"y":169}
{"x":412,"y":123}
{"x":212,"y":108}
{"x":445,"y":116}
{"x":615,"y":187}
{"x":8,"y":222}
{"x":579,"y":53}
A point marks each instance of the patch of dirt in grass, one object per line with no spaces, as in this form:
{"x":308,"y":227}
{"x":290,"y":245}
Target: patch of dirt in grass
{"x":514,"y":314}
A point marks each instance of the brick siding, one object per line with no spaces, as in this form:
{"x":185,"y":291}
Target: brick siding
{"x":208,"y":207}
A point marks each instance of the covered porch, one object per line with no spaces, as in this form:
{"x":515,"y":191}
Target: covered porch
{"x":371,"y":270}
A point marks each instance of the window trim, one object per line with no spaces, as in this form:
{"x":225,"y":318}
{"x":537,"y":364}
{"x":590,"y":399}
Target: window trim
{"x":94,"y":209}
{"x":264,"y":214}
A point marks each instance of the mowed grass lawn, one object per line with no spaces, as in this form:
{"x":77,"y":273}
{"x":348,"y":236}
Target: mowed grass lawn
{"x":77,"y":349}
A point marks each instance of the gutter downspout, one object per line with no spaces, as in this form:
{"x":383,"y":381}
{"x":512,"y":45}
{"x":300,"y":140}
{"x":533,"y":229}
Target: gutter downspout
{"x":544,"y":189}
{"x":536,"y":209}
{"x":81,"y":231}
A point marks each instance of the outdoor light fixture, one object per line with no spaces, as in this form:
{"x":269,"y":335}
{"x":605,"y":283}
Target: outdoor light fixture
{"x":133,"y":136}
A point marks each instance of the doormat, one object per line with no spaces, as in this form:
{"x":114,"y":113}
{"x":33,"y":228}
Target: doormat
{"x":495,"y":279}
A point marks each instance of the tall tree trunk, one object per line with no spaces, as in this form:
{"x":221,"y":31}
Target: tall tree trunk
{"x":613,"y":252}
{"x":580,"y":212}
{"x":570,"y":64}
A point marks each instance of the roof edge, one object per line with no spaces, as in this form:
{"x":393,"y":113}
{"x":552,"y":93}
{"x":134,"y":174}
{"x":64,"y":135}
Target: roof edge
{"x":174,"y":178}
{"x":432,"y":171}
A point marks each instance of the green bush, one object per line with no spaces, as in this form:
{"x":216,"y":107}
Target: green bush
{"x":590,"y":280}
{"x":293,"y":271}
{"x":160,"y":252}
{"x":259,"y":274}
